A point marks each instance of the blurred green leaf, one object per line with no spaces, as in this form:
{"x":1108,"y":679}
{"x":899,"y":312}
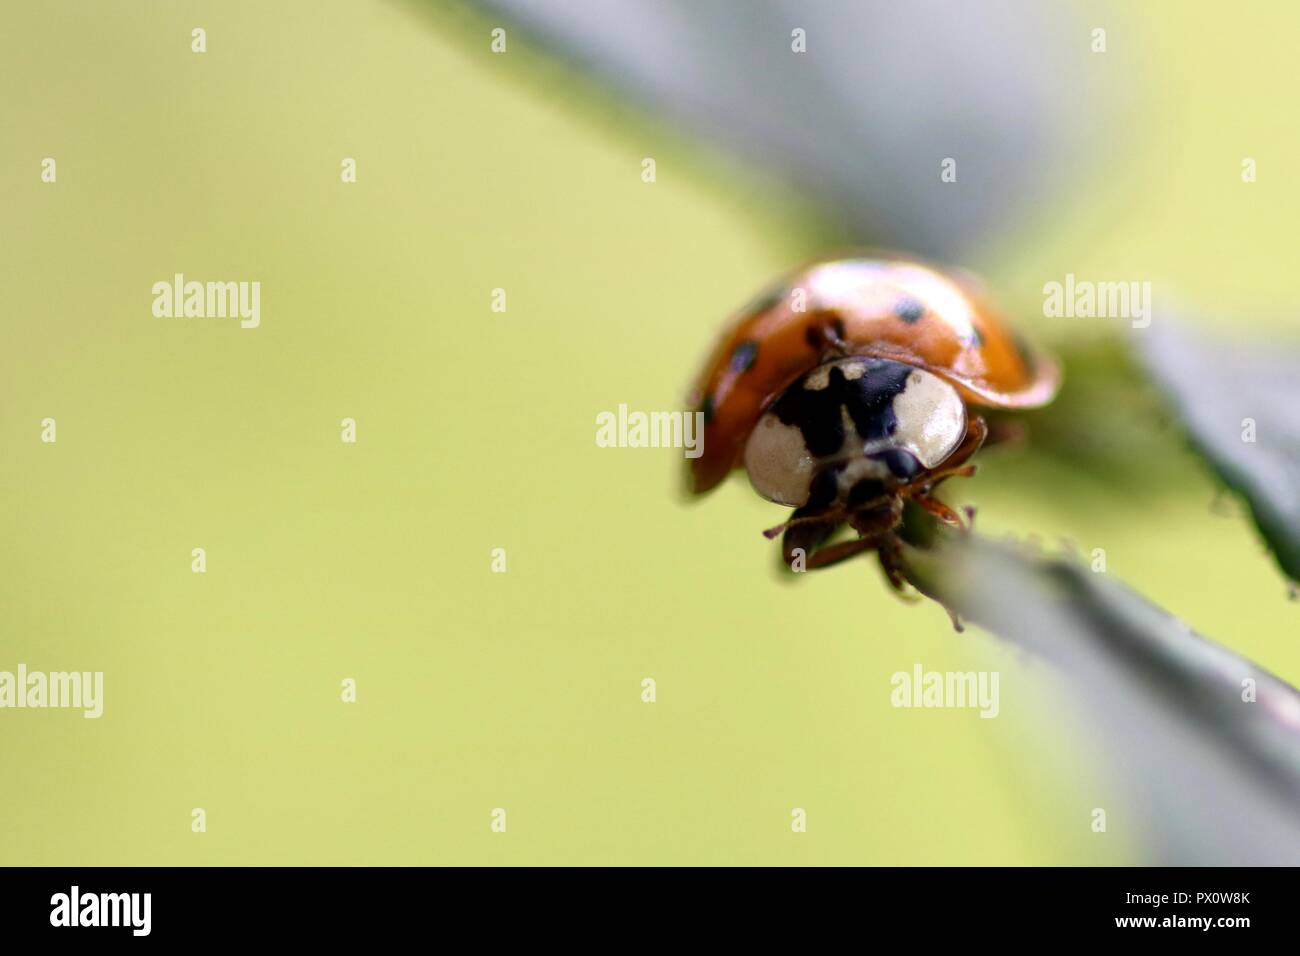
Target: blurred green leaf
{"x":1215,"y":778}
{"x":1108,"y":426}
{"x":1240,"y":405}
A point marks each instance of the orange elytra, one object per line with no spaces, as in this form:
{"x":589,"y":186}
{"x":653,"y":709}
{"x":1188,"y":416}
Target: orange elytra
{"x":886,"y":307}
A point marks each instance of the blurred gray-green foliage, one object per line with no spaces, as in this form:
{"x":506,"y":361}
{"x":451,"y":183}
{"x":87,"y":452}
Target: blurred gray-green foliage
{"x":860,"y":128}
{"x":1239,"y":403}
{"x":1206,"y":742}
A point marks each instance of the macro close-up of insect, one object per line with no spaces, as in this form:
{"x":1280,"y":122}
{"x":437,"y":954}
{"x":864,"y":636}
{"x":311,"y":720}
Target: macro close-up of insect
{"x":855,"y":386}
{"x":421,"y":417}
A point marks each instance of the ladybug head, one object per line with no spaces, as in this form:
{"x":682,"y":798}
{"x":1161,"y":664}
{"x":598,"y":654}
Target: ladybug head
{"x":851,"y":430}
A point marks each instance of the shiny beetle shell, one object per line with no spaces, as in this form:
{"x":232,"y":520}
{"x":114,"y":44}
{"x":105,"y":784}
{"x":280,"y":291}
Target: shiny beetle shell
{"x":888,"y":308}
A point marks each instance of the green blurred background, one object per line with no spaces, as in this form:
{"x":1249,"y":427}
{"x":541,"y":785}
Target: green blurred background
{"x":476,"y":431}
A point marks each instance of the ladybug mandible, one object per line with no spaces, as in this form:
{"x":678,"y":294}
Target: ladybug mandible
{"x":847,"y":390}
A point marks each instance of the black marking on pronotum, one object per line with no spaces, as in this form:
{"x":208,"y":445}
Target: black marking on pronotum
{"x":744,"y":356}
{"x":976,"y":337}
{"x":869,"y":400}
{"x":909,"y":310}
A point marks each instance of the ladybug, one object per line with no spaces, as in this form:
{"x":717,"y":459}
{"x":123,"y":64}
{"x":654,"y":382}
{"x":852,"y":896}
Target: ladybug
{"x":848,"y":390}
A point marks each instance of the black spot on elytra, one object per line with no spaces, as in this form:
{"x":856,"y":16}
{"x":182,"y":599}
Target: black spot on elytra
{"x":869,"y":400}
{"x":744,"y":356}
{"x":706,"y":407}
{"x":909,"y":310}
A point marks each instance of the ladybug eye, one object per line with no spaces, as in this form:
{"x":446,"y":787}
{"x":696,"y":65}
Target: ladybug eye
{"x":902,"y":464}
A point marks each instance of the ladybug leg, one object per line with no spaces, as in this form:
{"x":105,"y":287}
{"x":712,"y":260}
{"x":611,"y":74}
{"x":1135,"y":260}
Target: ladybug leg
{"x":890,"y":555}
{"x":875,"y":527}
{"x":976,"y":432}
{"x":801,"y":518}
{"x":891,"y":562}
{"x":940,"y":510}
{"x":934,"y":477}
{"x":840,"y":551}
{"x":805,"y":533}
{"x":878,"y":519}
